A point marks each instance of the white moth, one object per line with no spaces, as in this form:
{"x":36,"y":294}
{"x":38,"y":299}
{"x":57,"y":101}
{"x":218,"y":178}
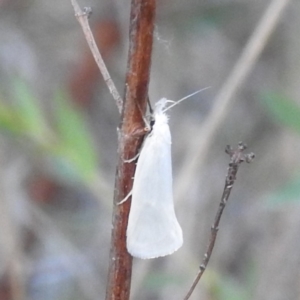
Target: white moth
{"x":153,"y":229}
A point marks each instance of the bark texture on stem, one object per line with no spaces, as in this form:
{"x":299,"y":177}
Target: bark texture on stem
{"x":131,"y":134}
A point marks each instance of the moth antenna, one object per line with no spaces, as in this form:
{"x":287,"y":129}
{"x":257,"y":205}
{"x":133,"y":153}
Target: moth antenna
{"x":148,"y":124}
{"x":150,"y":106}
{"x":152,"y":121}
{"x":184,"y":98}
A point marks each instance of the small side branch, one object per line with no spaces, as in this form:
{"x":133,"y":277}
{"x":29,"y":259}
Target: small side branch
{"x":236,"y":158}
{"x":82,"y":17}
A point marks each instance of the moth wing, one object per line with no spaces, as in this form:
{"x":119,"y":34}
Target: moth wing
{"x":153,"y":229}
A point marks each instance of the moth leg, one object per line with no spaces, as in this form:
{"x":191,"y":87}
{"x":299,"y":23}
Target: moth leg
{"x":131,"y":159}
{"x":125,"y":199}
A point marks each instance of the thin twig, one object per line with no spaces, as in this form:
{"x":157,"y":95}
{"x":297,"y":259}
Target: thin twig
{"x":236,"y":158}
{"x":130,"y":138}
{"x":82,"y":17}
{"x":199,"y":148}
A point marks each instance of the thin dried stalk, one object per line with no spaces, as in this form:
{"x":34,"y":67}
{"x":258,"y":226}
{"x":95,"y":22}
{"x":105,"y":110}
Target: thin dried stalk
{"x":236,"y":158}
{"x":82,"y":17}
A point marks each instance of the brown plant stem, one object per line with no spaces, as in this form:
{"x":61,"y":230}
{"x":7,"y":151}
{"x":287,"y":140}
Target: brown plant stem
{"x":131,"y":134}
{"x":236,"y":158}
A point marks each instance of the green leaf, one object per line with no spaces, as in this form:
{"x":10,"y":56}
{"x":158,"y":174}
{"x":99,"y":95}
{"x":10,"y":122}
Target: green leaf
{"x":228,"y":288}
{"x":290,"y":193}
{"x":283,"y":109}
{"x":75,"y":143}
{"x":157,"y":280}
{"x":231,"y":290}
{"x":31,"y":118}
{"x":10,"y":120}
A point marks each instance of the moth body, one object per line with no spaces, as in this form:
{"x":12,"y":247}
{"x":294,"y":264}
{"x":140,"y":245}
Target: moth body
{"x":153,"y":229}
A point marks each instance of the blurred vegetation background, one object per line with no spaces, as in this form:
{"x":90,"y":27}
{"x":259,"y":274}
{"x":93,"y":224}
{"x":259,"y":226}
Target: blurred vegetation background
{"x":58,"y":150}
